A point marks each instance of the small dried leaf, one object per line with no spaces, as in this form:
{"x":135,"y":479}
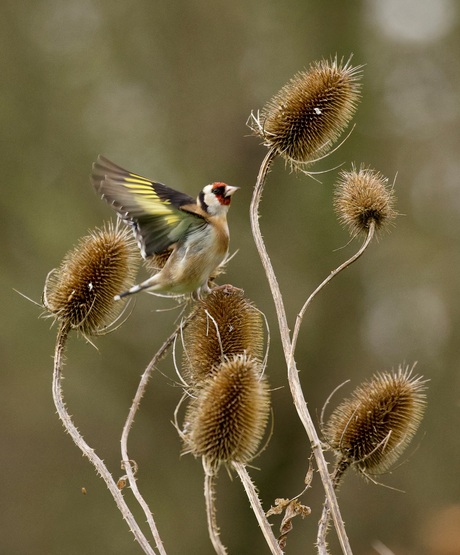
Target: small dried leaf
{"x":294,"y":508}
{"x":280,"y":505}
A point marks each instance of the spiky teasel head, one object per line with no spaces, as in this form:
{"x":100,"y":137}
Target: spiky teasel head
{"x":225,"y":323}
{"x":372,"y":428}
{"x":80,"y":293}
{"x":363,"y":196}
{"x":156,"y":262}
{"x":303,"y":120}
{"x":227,"y":419}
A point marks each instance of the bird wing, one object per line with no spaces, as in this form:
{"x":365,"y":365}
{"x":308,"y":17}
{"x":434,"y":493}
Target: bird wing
{"x":160,"y":216}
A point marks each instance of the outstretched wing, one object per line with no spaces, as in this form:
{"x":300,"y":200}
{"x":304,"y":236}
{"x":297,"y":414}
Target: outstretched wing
{"x":160,"y":216}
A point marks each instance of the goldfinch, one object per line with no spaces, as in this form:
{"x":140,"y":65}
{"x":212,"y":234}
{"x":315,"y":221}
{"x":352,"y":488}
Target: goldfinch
{"x":193,"y":232}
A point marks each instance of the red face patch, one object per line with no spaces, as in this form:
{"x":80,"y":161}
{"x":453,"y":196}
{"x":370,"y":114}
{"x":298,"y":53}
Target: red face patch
{"x":219,"y":190}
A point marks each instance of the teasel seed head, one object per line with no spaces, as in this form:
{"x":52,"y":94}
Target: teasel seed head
{"x":157,"y":262}
{"x":80,"y":293}
{"x":364,"y":196}
{"x":227,"y":420}
{"x":303,"y":120}
{"x":372,"y":428}
{"x":225,"y":324}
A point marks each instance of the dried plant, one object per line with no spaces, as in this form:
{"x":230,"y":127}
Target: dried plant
{"x":307,"y":116}
{"x":362,"y":197}
{"x":80,"y":293}
{"x":294,"y":135}
{"x":371,"y":429}
{"x":225,"y":324}
{"x":223,"y":360}
{"x":228,"y":412}
{"x":227,"y":420}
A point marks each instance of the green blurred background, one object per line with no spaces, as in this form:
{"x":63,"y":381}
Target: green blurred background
{"x":165,"y":89}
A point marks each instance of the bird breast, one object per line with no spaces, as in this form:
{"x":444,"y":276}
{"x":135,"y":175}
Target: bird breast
{"x":195,"y":259}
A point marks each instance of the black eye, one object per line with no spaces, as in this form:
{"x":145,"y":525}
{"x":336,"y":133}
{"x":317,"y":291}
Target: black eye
{"x":219,"y":191}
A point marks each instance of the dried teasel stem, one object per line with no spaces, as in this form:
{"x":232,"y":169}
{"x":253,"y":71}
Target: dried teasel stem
{"x":130,"y":421}
{"x":257,"y":508}
{"x":343,"y":266}
{"x":293,"y":374}
{"x":323,"y":527}
{"x":210,"y":497}
{"x":77,"y":438}
{"x":325,"y":518}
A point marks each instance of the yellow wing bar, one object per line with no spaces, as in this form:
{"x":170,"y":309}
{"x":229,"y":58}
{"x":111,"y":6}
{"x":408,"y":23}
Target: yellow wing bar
{"x":149,"y":200}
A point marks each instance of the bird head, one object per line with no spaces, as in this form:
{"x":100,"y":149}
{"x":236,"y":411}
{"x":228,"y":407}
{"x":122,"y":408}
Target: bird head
{"x":215,"y":198}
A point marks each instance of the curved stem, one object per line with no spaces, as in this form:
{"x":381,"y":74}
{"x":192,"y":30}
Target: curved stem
{"x":257,"y":508}
{"x":85,"y":448}
{"x":209,"y":495}
{"x":130,"y":474}
{"x":293,"y":375}
{"x":346,"y":264}
{"x":266,"y":262}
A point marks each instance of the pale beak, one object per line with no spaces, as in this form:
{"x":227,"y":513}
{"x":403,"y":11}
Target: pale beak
{"x":229,"y":190}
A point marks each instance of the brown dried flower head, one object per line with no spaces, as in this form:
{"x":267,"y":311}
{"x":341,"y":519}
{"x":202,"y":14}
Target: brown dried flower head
{"x":305,"y":118}
{"x":364,"y":196}
{"x":225,"y":324}
{"x":372,"y":428}
{"x":156,"y":262}
{"x":227,"y":419}
{"x":80,"y":293}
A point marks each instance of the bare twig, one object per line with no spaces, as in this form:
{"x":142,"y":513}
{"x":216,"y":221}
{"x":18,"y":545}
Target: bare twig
{"x":257,"y":508}
{"x":343,"y":266}
{"x":209,"y":495}
{"x":85,"y":448}
{"x":323,"y":525}
{"x":129,"y":423}
{"x":293,"y":375}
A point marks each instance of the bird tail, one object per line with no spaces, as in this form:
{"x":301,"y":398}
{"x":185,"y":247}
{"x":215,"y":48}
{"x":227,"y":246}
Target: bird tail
{"x":136,"y":288}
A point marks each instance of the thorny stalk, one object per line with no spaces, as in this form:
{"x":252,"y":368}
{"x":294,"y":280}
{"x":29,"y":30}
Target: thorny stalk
{"x":130,"y":474}
{"x":343,"y":266}
{"x":293,"y":375}
{"x":77,"y":438}
{"x":257,"y":508}
{"x":323,"y":525}
{"x":209,"y":495}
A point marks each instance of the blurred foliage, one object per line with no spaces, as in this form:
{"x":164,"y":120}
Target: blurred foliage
{"x":165,"y":89}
